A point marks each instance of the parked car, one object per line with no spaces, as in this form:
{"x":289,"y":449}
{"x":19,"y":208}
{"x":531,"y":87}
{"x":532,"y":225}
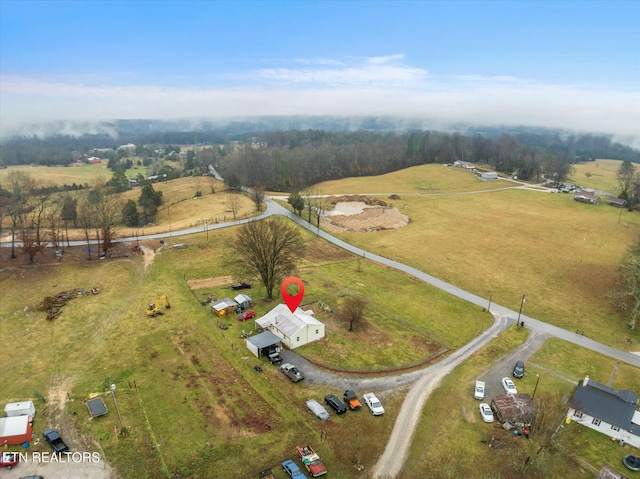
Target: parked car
{"x":9,"y":459}
{"x":478,"y":392}
{"x":351,"y":399}
{"x":318,"y":409}
{"x":509,"y":386}
{"x":238,"y":286}
{"x":374,"y":404}
{"x":292,"y":469}
{"x":632,"y":462}
{"x":247,"y":315}
{"x":334,"y":403}
{"x":518,"y":370}
{"x":55,"y":441}
{"x":485,"y":412}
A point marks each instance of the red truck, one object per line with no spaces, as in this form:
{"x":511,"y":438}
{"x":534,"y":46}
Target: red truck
{"x":311,"y":461}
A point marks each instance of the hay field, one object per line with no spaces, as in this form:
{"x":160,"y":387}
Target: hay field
{"x":599,"y":174}
{"x":61,"y":175}
{"x":423,"y":179}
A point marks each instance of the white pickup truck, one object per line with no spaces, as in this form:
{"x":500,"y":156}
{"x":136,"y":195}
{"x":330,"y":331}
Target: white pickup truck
{"x":374,"y":404}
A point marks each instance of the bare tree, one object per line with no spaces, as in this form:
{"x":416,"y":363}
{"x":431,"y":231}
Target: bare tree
{"x":257,"y":195}
{"x":530,"y":458}
{"x":234,"y":200}
{"x":352,"y":311}
{"x":32,"y":225}
{"x":625,"y":176}
{"x":20,"y":186}
{"x":105,"y":209}
{"x":268,"y":249}
{"x":625,"y":295}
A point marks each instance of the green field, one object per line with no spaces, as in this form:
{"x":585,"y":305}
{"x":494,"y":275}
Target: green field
{"x":180,"y":376}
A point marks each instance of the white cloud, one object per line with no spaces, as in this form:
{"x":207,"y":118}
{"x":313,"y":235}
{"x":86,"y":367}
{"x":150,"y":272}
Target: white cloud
{"x":369,"y":86}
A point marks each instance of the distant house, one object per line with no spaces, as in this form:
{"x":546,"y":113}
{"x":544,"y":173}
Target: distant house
{"x":584,"y":196}
{"x":133,"y":183}
{"x":489,"y":175}
{"x":224,"y":306}
{"x":294,"y":329}
{"x":610,"y":411}
{"x":617,"y":202}
{"x":94,"y":160}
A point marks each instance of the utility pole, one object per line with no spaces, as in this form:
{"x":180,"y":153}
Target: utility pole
{"x":536,"y":387}
{"x":112,"y":388}
{"x":524,"y":300}
{"x":490,"y":296}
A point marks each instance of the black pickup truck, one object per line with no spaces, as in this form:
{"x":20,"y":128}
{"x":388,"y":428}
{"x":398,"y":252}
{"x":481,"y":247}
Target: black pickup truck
{"x":55,"y":441}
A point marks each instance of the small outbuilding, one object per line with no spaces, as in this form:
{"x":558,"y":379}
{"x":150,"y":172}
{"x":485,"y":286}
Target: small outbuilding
{"x":16,"y":430}
{"x":263,"y":344}
{"x":97,"y":407}
{"x":489,"y":175}
{"x":617,"y":202}
{"x":513,"y":408}
{"x":23,"y":408}
{"x":224,"y":306}
{"x":244,"y":301}
{"x":294,"y":329}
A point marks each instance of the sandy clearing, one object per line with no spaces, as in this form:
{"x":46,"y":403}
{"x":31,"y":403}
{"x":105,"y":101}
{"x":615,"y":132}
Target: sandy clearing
{"x":209,"y":282}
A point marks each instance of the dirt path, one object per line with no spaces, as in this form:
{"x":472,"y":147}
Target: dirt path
{"x":149,"y":256}
{"x":390,"y":464}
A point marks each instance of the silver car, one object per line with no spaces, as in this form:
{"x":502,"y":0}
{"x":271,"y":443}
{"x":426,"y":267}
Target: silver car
{"x":318,"y":409}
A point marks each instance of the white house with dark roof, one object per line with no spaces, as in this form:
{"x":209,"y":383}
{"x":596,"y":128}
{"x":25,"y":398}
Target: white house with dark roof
{"x":295,"y":329}
{"x":610,"y":411}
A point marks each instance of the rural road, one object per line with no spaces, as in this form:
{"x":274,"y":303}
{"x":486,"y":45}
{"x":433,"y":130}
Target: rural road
{"x":390,"y":464}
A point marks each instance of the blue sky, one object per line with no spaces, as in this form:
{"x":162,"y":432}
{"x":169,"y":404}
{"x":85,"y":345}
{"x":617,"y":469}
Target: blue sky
{"x":572,"y":64}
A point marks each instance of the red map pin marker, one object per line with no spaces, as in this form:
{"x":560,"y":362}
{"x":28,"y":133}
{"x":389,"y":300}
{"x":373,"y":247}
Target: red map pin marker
{"x":292,"y":300}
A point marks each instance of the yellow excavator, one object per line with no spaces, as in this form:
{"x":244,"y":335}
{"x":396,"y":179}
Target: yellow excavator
{"x":154,"y":308}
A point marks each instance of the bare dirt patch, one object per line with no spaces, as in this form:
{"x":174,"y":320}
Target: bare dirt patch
{"x":362,"y":214}
{"x":209,"y":282}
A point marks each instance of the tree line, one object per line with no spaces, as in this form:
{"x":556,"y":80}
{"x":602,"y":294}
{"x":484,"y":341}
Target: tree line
{"x":293,"y":160}
{"x":37,"y":217}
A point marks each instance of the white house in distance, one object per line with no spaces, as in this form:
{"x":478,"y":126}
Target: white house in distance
{"x":295,"y":329}
{"x":606,"y":410}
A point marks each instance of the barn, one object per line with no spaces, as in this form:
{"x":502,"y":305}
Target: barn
{"x":16,"y":430}
{"x":294,"y":329}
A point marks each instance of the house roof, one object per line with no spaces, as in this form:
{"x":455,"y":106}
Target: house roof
{"x":613,"y":200}
{"x":264,"y":340}
{"x":288,"y":323}
{"x":613,"y":406}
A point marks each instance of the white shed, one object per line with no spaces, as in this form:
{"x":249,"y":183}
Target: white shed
{"x":23,"y":408}
{"x":295,"y":329}
{"x":244,"y":301}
